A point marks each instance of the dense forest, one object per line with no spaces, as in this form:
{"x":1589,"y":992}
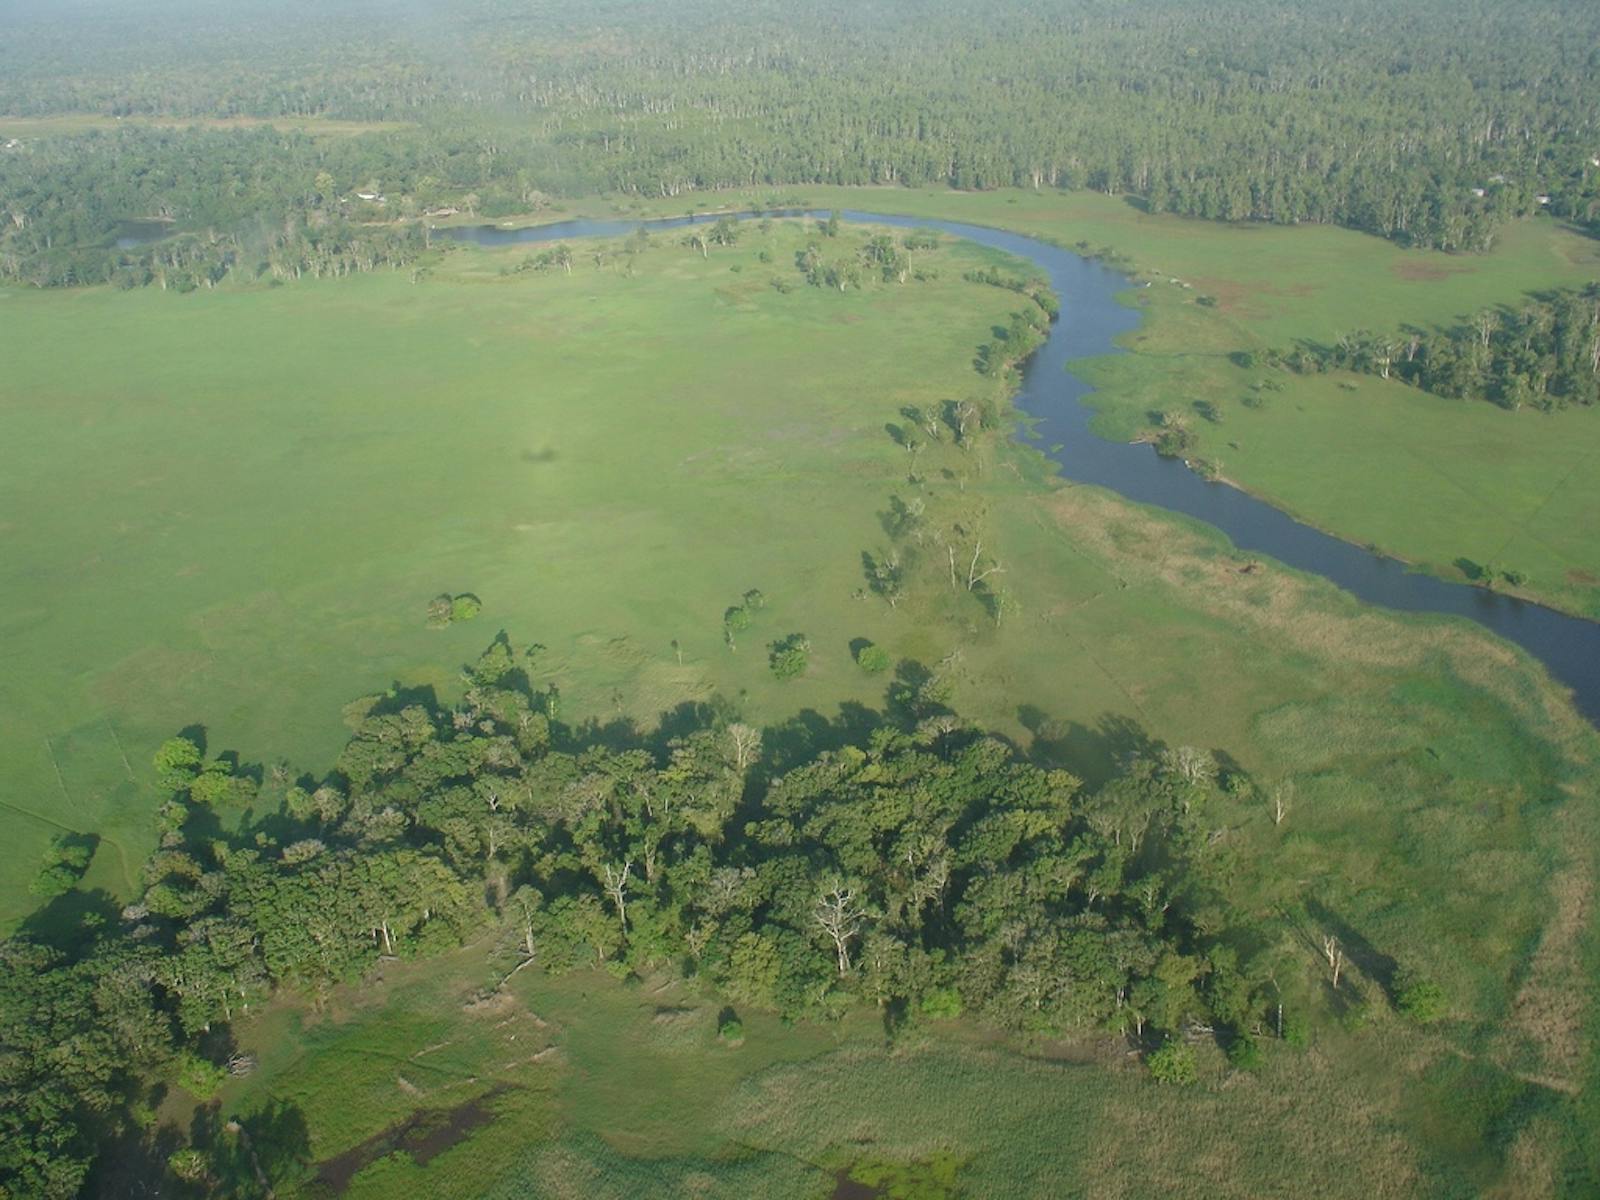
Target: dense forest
{"x":1429,"y":130}
{"x":1545,"y":354}
{"x":903,"y":861}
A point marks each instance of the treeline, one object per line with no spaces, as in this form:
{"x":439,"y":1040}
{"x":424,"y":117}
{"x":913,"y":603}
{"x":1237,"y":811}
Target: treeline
{"x":208,"y":203}
{"x":1545,"y":354}
{"x":1430,"y":131}
{"x":927,"y":872}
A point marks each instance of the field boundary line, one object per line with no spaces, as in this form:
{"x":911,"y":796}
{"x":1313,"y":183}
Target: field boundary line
{"x":117,"y":741}
{"x":1521,"y":528}
{"x":38,"y":816}
{"x":61,"y":782}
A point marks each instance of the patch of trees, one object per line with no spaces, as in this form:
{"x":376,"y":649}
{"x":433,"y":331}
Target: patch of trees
{"x":841,"y":265}
{"x":1545,"y":354}
{"x":445,"y":610}
{"x":926,"y":871}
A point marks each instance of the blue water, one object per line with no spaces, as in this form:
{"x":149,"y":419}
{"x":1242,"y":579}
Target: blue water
{"x":1091,"y":320}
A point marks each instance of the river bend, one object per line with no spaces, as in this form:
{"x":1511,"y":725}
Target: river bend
{"x":1091,"y":320}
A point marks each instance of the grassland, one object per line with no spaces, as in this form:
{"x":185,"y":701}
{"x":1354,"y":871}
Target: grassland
{"x":1445,"y":484}
{"x":267,"y":486}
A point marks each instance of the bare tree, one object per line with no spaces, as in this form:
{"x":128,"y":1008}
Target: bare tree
{"x":746,"y":743}
{"x":1281,"y":796}
{"x":1334,"y":953}
{"x":1191,"y":764}
{"x":839,"y":916}
{"x":616,"y":885}
{"x":975,"y":576}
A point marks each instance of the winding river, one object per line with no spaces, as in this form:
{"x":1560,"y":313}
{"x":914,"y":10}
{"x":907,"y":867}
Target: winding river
{"x":1091,"y":320}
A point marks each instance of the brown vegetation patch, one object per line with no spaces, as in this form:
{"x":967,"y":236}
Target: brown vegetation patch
{"x":1583,"y":578}
{"x":1304,"y":613}
{"x":1425,"y":272}
{"x":1550,"y":1008}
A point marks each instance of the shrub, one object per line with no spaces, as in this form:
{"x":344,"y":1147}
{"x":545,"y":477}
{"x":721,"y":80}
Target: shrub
{"x":789,"y":656}
{"x":872,"y":659}
{"x":65,"y":861}
{"x":1424,"y":1001}
{"x":465,"y":606}
{"x":439,"y":611}
{"x":199,"y":1076}
{"x":942,"y":1003}
{"x":1245,"y":1054}
{"x":1174,"y":1063}
{"x":730,"y":1028}
{"x":188,"y":1165}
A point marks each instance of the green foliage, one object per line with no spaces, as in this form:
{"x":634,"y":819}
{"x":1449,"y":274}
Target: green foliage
{"x":942,"y":1004}
{"x":199,"y":1076}
{"x":1423,"y":1001}
{"x":730,"y":1028}
{"x":935,"y":1179}
{"x":188,"y":1165}
{"x":789,"y":656}
{"x":873,"y":659}
{"x":445,"y":610}
{"x":177,"y":761}
{"x":1245,"y":1054}
{"x":64,"y":863}
{"x":1544,"y":353}
{"x":1173,"y":1063}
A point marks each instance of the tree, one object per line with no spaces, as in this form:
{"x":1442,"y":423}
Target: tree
{"x":841,"y":918}
{"x":177,"y":761}
{"x":1173,"y":1063}
{"x":1334,"y":953}
{"x":1423,"y":1001}
{"x":65,"y":861}
{"x":745,"y":742}
{"x":873,"y":659}
{"x":789,"y":656}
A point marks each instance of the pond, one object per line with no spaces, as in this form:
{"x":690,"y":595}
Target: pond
{"x":1091,"y":319}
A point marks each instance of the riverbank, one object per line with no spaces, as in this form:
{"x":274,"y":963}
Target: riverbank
{"x":1058,"y":400}
{"x":1451,"y":486}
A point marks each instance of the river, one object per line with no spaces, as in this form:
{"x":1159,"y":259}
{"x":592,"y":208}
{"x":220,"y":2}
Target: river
{"x":1091,"y":319}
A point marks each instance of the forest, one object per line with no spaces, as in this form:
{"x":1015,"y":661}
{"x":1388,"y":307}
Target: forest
{"x":1544,"y":354}
{"x":1245,"y":111}
{"x":925,"y":870}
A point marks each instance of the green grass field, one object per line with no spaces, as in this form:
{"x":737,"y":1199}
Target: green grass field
{"x":1430,"y":480}
{"x":266,"y":487}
